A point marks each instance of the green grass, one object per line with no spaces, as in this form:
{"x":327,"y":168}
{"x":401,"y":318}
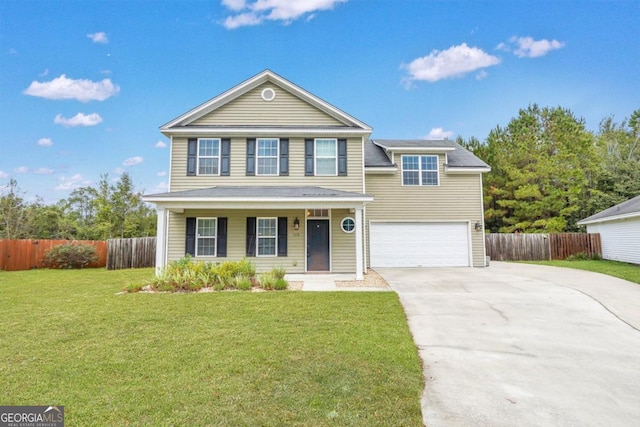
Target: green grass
{"x":630,"y":272}
{"x":224,"y":359}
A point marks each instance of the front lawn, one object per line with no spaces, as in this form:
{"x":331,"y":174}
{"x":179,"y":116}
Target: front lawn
{"x":630,"y":272}
{"x":224,"y":359}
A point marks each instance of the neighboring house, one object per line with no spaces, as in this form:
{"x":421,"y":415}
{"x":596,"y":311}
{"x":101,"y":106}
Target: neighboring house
{"x":619,"y":228}
{"x":268,"y":171}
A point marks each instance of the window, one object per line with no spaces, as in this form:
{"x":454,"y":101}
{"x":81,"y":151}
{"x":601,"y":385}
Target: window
{"x":208,"y":156}
{"x":419,"y":170}
{"x":326,"y":157}
{"x":206,"y":231}
{"x":348,"y":225}
{"x":268,"y":156}
{"x":267,"y":236}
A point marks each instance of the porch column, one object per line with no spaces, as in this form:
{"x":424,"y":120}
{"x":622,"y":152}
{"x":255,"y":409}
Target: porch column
{"x":161,"y":238}
{"x":359,"y":249}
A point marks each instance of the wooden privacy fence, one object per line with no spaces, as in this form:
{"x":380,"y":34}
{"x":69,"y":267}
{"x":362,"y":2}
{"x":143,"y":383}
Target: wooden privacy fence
{"x":26,"y":254}
{"x":131,"y":253}
{"x":539,"y":247}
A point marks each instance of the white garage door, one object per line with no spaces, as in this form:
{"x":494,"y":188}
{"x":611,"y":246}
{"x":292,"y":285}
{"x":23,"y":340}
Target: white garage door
{"x":443,"y":244}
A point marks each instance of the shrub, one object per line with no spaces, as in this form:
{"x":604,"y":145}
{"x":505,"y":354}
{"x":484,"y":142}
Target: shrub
{"x":273,"y":280}
{"x":243,"y":283}
{"x":70,"y":256}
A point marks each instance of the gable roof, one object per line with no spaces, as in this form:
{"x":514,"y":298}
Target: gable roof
{"x":265,"y":76}
{"x":628,"y":209}
{"x":457,"y":156}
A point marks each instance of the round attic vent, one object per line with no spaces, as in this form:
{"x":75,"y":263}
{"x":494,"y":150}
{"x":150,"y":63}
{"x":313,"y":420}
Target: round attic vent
{"x":268,"y":94}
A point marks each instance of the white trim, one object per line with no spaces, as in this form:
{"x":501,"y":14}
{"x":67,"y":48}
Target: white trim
{"x":268,"y":157}
{"x":215,"y":238}
{"x":268,"y":98}
{"x":342,"y":225}
{"x":254,"y":204}
{"x":219,"y":157}
{"x":359,"y":229}
{"x":420,"y":149}
{"x":161,"y":239}
{"x":484,"y":246}
{"x":275,"y":238}
{"x":170,"y":164}
{"x":315,"y":157}
{"x":334,"y":132}
{"x":609,"y":218}
{"x":420,"y":170}
{"x":466,"y":170}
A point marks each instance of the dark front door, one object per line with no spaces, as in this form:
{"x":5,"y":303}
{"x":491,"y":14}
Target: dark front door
{"x":318,"y":245}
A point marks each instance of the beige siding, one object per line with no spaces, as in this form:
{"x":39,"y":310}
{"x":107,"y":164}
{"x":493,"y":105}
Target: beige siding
{"x":342,"y":244}
{"x":236,"y":238}
{"x":352,"y":182}
{"x":251,"y":109}
{"x":457,"y":198}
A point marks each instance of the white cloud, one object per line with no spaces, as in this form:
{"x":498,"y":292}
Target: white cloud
{"x":45,"y":142}
{"x":453,"y":62}
{"x":161,"y":144}
{"x":100,"y":37}
{"x":44,"y":73}
{"x":132,"y":161}
{"x":482,"y":75}
{"x":64,"y":88}
{"x":44,"y":171}
{"x":21,"y":169}
{"x":163,"y":173}
{"x":162,"y":187}
{"x":71,"y":183}
{"x":439,"y":133}
{"x":256,"y":12}
{"x":4,"y":175}
{"x":78,"y":120}
{"x":527,"y":47}
{"x":119,"y":170}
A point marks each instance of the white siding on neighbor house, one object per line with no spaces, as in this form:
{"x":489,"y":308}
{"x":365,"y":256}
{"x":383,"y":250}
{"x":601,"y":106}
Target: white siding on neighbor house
{"x":620,"y":239}
{"x":457,"y":198}
{"x":250,"y":109}
{"x":351,"y":182}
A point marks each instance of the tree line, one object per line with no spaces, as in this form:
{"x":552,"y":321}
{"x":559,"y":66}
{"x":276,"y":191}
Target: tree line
{"x":89,"y":213}
{"x":548,"y":171}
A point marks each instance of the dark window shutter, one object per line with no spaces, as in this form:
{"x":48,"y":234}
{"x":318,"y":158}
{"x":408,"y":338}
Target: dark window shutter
{"x":251,"y":236}
{"x":282,"y":236}
{"x":192,"y":156}
{"x":225,"y":157}
{"x":221,"y":238}
{"x":284,"y":156}
{"x":190,"y":241}
{"x":251,"y":157}
{"x":342,"y":157}
{"x":308,"y":157}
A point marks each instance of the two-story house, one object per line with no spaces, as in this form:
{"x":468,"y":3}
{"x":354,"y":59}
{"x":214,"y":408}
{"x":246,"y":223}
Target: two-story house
{"x":271,"y":172}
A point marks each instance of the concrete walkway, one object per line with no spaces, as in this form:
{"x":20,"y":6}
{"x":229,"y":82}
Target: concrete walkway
{"x":327,"y":282}
{"x":524,"y":345}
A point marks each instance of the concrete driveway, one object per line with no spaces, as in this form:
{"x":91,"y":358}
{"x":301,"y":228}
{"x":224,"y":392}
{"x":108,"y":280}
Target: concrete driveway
{"x":525,"y":345}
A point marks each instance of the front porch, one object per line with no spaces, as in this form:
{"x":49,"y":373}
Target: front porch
{"x":299,"y":229}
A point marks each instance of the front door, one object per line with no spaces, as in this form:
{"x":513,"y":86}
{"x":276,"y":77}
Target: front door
{"x":318,"y":245}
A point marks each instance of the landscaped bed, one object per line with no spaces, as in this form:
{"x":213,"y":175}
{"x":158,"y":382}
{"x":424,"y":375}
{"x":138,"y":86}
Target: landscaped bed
{"x":222,"y":358}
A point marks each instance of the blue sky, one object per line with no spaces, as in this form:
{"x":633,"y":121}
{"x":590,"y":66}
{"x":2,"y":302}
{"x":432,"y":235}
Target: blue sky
{"x":85,"y":85}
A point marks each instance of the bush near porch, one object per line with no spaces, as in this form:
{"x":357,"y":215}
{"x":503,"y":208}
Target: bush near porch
{"x":223,"y":358}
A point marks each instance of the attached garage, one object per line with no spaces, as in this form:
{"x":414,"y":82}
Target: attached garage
{"x":419,"y":244}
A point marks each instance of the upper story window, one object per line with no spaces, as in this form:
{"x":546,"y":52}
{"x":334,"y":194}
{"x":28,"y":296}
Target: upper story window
{"x":420,"y":170}
{"x":326,"y":157}
{"x":208,"y":156}
{"x":267,"y":156}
